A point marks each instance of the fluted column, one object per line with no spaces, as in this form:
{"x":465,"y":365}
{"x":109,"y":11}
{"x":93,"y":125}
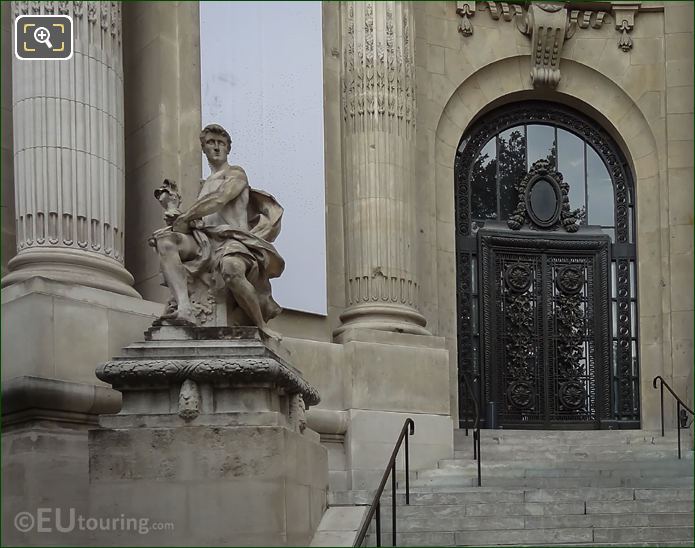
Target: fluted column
{"x":68,"y":154}
{"x":378,"y":135}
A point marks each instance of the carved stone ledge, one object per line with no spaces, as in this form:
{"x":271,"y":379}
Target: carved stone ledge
{"x":121,"y":373}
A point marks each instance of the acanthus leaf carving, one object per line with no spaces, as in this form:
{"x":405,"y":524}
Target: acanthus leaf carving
{"x":378,"y":86}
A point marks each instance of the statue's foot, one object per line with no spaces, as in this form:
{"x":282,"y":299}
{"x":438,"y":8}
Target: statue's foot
{"x":270,"y":333}
{"x":183,"y":317}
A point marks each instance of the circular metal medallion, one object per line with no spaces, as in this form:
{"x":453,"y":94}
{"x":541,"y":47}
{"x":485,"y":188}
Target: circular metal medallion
{"x":569,"y":279}
{"x":518,"y":277}
{"x":572,"y":395}
{"x":521,"y":395}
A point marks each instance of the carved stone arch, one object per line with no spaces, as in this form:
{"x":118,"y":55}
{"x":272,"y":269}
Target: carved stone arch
{"x":597,"y":95}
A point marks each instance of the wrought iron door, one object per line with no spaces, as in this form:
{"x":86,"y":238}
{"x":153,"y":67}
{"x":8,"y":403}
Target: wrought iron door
{"x":545,"y":315}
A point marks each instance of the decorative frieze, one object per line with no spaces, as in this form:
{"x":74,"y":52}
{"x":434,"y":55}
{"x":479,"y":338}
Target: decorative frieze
{"x":108,"y":14}
{"x":378,"y":83}
{"x":550,"y":24}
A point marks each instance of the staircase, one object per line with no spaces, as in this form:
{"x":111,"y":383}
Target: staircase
{"x":549,"y":488}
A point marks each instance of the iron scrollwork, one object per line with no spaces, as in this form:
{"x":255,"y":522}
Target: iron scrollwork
{"x":623,"y":403}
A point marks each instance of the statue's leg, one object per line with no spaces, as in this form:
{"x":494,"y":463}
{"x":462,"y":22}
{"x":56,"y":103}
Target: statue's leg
{"x":170,"y":248}
{"x":234,"y":274}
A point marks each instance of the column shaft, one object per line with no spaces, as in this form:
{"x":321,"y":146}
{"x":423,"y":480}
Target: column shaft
{"x":378,"y":105}
{"x":68,"y":154}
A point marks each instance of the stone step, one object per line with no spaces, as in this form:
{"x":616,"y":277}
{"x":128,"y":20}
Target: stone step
{"x":494,"y":465}
{"x":464,"y":495}
{"x":451,"y":480}
{"x":643,"y":534}
{"x":576,"y":453}
{"x":583,"y":436}
{"x":511,"y":471}
{"x":638,"y":506}
{"x":449,"y":539}
{"x":428,"y":522}
{"x":597,"y":536}
{"x":501,"y":509}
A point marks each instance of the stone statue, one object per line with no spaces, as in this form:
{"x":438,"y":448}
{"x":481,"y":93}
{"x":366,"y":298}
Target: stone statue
{"x":217,"y":257}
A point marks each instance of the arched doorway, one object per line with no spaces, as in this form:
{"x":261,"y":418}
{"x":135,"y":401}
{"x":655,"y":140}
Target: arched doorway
{"x":547,"y":296}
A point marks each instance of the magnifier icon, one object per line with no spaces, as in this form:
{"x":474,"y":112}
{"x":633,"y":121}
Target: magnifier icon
{"x":42,"y":36}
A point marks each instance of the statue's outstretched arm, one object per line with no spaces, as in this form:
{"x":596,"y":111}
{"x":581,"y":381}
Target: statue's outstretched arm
{"x":232,"y":187}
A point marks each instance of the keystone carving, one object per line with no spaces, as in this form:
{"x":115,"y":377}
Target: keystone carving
{"x":550,"y":25}
{"x":547,"y":24}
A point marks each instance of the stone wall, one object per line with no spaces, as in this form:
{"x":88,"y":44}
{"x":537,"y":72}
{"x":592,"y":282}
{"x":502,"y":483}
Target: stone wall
{"x":161,"y":58}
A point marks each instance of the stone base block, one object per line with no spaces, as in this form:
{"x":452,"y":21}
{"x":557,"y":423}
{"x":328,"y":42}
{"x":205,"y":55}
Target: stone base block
{"x":203,"y":485}
{"x":45,"y":455}
{"x":211,"y":445}
{"x":372,"y":436}
{"x":62,"y":331}
{"x":44,"y":467}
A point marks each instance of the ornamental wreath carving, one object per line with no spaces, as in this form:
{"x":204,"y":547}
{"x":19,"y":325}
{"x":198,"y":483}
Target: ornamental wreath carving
{"x":544,"y":201}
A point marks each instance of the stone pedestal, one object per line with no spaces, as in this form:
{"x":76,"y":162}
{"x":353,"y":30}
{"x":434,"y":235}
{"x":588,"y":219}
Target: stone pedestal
{"x":211,"y":439}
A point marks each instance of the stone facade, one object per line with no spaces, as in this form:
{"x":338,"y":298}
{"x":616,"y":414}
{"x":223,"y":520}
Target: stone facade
{"x":387,"y":348}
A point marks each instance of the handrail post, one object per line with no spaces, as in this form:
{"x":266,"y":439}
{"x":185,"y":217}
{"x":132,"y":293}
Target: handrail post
{"x":479,"y":474}
{"x":393,"y":504}
{"x":378,"y":523}
{"x":662,"y":407}
{"x":407,"y":472}
{"x":475,"y":444}
{"x":678,"y":422}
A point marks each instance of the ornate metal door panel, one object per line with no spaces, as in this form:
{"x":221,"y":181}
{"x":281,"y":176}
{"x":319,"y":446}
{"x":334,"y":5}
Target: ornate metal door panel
{"x":545,"y":314}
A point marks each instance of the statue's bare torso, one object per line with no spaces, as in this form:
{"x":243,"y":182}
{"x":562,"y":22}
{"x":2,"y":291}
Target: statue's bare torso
{"x":234,"y":212}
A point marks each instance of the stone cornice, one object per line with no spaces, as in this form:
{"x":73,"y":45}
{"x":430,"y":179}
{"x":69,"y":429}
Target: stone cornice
{"x":36,"y":398}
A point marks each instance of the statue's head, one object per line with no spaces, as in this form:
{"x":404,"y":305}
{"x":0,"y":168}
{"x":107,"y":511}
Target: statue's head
{"x":215,"y":142}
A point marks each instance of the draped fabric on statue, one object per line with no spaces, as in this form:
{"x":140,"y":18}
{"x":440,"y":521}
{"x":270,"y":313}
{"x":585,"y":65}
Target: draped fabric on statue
{"x":254,"y":246}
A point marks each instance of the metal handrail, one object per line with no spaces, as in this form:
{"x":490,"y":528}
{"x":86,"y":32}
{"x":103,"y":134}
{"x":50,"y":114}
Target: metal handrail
{"x":375,"y":507}
{"x":681,"y":415}
{"x":476,"y":427}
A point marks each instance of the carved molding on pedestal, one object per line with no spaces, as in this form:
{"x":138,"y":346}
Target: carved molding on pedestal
{"x":550,"y":24}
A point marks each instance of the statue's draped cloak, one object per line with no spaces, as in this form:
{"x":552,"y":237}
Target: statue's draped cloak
{"x":254,"y":246}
